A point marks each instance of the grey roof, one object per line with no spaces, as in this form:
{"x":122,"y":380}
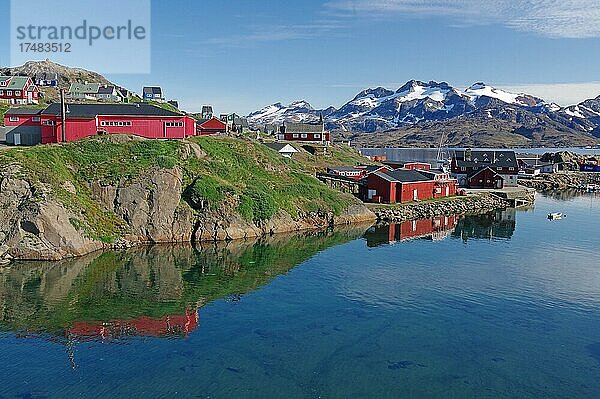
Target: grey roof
{"x":402,"y":176}
{"x":494,"y":158}
{"x":46,"y":76}
{"x":106,"y":89}
{"x":93,"y":110}
{"x":278,"y":146}
{"x":343,"y":168}
{"x":370,"y":168}
{"x":304,"y":127}
{"x":24,"y":111}
{"x":152,"y":90}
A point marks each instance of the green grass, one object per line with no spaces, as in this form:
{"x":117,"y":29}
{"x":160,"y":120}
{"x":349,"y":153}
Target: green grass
{"x":256,"y":178}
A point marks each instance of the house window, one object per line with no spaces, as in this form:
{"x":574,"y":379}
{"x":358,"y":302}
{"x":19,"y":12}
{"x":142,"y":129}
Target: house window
{"x":317,"y":136}
{"x":14,"y":118}
{"x":9,"y":92}
{"x":463,"y":168}
{"x":1,"y":92}
{"x":17,"y":93}
{"x":49,"y":123}
{"x":35,"y":119}
{"x":304,"y":135}
{"x":295,"y":135}
{"x":511,"y":168}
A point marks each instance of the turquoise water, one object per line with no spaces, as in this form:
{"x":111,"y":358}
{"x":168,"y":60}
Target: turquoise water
{"x":505,"y":305}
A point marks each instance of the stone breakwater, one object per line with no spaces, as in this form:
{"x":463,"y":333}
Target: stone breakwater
{"x":473,"y":204}
{"x":562,"y":181}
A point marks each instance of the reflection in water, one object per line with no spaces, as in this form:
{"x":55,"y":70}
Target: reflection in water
{"x":432,"y":229}
{"x":497,"y":224}
{"x":155,"y":291}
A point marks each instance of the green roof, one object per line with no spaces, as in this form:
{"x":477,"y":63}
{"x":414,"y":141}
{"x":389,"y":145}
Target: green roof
{"x":15,"y":83}
{"x":91,"y":88}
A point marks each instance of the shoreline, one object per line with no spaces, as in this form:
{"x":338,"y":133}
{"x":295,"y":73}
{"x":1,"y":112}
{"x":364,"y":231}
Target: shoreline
{"x":459,"y":205}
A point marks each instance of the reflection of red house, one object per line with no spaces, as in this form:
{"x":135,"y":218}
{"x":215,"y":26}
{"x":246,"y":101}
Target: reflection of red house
{"x":144,"y":327}
{"x":436,"y":229}
{"x":211,"y":126}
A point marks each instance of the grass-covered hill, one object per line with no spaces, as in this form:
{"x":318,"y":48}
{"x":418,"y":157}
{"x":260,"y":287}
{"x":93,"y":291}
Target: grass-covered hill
{"x":216,"y":173}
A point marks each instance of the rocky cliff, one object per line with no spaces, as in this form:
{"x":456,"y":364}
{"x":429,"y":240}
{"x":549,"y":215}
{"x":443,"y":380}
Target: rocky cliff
{"x":43,"y":217}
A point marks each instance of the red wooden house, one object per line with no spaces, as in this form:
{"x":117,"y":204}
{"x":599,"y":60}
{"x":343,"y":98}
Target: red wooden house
{"x":141,"y":119}
{"x":400,"y":185}
{"x":18,"y":90}
{"x":304,"y":132}
{"x":486,"y":178}
{"x":211,"y":126}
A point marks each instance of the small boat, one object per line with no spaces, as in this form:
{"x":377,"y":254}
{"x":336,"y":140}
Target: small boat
{"x":556,"y":216}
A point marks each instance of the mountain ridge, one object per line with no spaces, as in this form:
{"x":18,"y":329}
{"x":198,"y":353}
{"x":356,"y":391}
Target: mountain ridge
{"x":416,"y":104}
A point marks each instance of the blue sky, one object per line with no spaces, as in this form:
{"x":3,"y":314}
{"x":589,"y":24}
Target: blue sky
{"x":242,"y":55}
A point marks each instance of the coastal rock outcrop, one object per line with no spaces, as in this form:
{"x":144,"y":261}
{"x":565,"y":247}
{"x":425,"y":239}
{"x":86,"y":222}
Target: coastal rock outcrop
{"x":34,"y":225}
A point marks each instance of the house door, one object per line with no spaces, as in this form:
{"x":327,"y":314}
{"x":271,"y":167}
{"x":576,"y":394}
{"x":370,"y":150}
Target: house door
{"x":17,"y":138}
{"x":415,"y":194}
{"x":499,"y":183}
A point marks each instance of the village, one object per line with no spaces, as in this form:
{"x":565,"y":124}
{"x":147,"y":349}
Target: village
{"x":91,"y":109}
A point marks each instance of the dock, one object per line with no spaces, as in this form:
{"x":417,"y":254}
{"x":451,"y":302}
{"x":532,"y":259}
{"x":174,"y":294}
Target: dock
{"x":517,"y":196}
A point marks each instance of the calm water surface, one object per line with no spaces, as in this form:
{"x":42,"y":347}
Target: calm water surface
{"x":505,"y":305}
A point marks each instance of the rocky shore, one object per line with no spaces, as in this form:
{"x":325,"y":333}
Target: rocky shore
{"x":561,"y":180}
{"x":472,"y":204}
{"x":35,"y":226}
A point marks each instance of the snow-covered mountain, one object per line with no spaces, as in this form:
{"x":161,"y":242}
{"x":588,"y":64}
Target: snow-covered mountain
{"x":381,"y":109}
{"x":298,"y":111}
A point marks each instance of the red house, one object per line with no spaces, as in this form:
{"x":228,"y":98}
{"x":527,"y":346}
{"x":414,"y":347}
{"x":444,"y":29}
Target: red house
{"x":18,"y":90}
{"x":211,"y":126}
{"x":486,"y":178}
{"x":400,"y":185}
{"x":140,"y":119}
{"x":444,"y":184}
{"x":304,"y":132}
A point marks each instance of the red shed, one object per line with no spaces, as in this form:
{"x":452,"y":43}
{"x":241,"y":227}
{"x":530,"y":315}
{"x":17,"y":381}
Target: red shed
{"x":400,"y":185}
{"x":211,"y":126}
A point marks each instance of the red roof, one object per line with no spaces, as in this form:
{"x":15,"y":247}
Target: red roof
{"x":213,"y":123}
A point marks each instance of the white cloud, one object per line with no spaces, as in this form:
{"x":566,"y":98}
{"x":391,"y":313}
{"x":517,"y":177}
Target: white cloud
{"x":550,"y":18}
{"x":274,"y":33}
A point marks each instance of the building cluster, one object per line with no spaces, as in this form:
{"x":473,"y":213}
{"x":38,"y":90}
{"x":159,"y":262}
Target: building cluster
{"x":394,"y":182}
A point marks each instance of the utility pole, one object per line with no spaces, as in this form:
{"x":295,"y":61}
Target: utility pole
{"x":63,"y":116}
